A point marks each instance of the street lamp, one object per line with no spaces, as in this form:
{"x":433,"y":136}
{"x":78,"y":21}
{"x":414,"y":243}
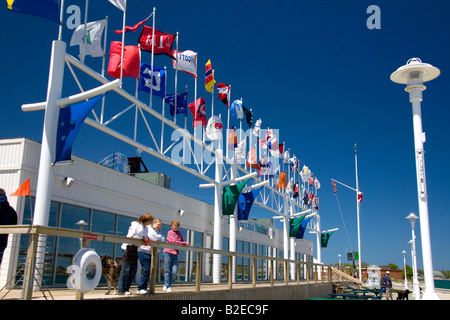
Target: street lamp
{"x":414,"y":74}
{"x":404,"y":268}
{"x":416,"y":289}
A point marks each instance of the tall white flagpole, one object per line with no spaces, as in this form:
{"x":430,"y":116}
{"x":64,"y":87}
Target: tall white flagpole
{"x":123,"y":44}
{"x":228,"y":119}
{"x":163,"y":109}
{"x":103,"y":66}
{"x":61,"y":15}
{"x":176,"y":80}
{"x":152,"y":59}
{"x":83,"y":51}
{"x":357,"y":214}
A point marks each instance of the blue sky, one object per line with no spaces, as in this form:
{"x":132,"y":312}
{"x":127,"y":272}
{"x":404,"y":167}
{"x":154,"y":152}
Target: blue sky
{"x":311,"y":69}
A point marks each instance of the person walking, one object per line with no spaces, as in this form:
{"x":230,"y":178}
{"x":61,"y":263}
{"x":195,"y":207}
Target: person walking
{"x":171,"y":255}
{"x":151,"y":233}
{"x":8,"y":216}
{"x":130,"y":254}
{"x":388,"y":285}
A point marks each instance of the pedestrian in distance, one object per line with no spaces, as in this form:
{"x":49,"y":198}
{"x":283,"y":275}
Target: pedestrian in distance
{"x":387,"y":286}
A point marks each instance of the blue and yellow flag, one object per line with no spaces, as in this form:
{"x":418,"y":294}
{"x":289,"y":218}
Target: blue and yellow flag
{"x":48,"y":9}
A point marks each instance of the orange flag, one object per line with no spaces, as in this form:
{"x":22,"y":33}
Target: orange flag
{"x":282,"y":184}
{"x":23,"y":190}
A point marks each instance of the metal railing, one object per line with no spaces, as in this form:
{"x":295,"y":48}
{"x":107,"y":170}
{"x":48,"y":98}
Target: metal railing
{"x":314,"y":272}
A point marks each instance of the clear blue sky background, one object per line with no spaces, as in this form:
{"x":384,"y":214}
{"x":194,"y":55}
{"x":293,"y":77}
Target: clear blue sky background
{"x":311,"y":69}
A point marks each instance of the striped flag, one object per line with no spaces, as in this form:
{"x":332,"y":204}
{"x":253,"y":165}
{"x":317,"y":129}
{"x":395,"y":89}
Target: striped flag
{"x":360,"y":197}
{"x":334,"y":186}
{"x":224,"y":92}
{"x":209,"y":77}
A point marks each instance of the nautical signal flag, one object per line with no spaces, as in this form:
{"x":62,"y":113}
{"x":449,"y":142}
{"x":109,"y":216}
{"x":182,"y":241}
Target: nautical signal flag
{"x":48,"y":9}
{"x":90,"y":38}
{"x":248,"y":116}
{"x":120,"y":4}
{"x":23,"y":190}
{"x":131,"y":60}
{"x":181,"y":103}
{"x":224,"y":92}
{"x":155,"y":80}
{"x":198,"y":110}
{"x":252,"y":160}
{"x":209,"y":77}
{"x":360,"y":195}
{"x":324,"y":237}
{"x":133,"y":28}
{"x":236,"y":109}
{"x":162,"y":44}
{"x":185,"y":61}
{"x":69,"y":123}
{"x":245,"y":203}
{"x":214,"y":128}
{"x":294,"y":225}
{"x":230,"y":197}
{"x":334,"y":186}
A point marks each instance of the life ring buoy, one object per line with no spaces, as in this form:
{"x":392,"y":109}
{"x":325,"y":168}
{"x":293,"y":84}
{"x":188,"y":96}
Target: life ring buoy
{"x":90,"y":266}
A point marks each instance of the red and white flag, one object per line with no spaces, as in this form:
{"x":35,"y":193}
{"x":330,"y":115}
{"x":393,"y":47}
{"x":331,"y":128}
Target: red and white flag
{"x":198,"y":110}
{"x":163,"y":41}
{"x":224,"y":92}
{"x":334,"y":186}
{"x":360,"y":195}
{"x":185,"y":61}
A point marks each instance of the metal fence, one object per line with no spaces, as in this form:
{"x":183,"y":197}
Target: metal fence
{"x":312,"y":271}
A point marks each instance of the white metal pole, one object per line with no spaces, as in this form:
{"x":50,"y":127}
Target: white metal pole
{"x":415,"y":98}
{"x":414,"y":74}
{"x":152,"y":58}
{"x":233,"y":227}
{"x":217,"y":244}
{"x":415,"y":283}
{"x":404,"y":267}
{"x":48,"y":149}
{"x":291,"y":240}
{"x":286,"y":229}
{"x":357,"y":214}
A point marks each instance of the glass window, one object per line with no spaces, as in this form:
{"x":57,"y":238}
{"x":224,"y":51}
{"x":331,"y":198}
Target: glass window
{"x":71,"y":216}
{"x":49,"y":263}
{"x":103,"y":222}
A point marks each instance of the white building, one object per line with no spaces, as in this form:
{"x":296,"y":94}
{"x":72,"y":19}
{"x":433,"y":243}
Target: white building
{"x":108,"y":200}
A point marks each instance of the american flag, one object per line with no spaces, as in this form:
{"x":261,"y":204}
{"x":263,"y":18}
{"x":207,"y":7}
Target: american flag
{"x":334,"y":186}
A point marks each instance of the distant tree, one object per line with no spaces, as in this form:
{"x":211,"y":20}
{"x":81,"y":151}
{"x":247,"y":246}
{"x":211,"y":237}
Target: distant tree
{"x":393,"y":266}
{"x":409,"y":272}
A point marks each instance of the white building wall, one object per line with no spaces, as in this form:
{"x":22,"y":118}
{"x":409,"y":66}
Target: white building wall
{"x":101,"y":188}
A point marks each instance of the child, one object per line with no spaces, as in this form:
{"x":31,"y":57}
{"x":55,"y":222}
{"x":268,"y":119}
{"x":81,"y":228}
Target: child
{"x":171,"y":255}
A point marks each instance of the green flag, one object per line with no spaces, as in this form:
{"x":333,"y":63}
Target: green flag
{"x":231,"y":196}
{"x":294,"y":225}
{"x":324,"y":237}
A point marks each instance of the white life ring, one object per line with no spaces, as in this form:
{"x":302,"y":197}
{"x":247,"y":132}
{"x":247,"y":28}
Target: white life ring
{"x":90,"y":267}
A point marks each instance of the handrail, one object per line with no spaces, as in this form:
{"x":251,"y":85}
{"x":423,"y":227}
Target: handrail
{"x":35,"y":230}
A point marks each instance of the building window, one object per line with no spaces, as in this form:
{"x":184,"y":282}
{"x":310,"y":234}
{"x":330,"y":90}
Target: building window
{"x":72,"y":217}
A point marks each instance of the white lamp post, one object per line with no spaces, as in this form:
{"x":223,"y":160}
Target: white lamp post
{"x":414,"y":74}
{"x":416,"y":289}
{"x":404,"y":268}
